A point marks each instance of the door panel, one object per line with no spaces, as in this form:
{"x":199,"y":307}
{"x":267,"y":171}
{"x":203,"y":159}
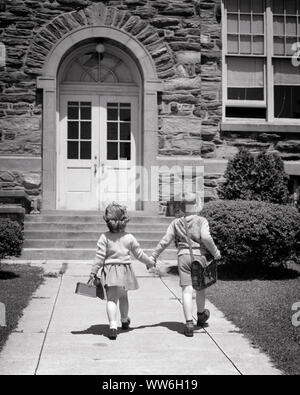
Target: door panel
{"x":78,"y":148}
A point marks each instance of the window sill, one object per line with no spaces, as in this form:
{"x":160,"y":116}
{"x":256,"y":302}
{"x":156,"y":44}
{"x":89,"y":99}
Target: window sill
{"x":261,"y":126}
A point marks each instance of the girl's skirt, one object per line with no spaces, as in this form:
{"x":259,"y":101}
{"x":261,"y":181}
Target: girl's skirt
{"x":119,"y":276}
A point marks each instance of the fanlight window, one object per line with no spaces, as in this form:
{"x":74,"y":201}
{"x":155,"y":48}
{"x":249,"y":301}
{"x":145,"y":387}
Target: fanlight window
{"x":92,"y":67}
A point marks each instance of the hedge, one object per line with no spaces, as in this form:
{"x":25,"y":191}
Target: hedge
{"x":11,"y":238}
{"x":253,"y":233}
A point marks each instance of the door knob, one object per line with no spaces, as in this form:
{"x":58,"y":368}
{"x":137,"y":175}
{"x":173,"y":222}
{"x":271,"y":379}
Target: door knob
{"x":95,"y":169}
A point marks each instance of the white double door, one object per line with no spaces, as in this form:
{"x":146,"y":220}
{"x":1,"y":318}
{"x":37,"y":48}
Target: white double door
{"x":97,"y":151}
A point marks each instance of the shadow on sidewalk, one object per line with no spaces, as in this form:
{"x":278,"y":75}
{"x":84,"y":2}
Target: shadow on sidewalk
{"x":103,"y":330}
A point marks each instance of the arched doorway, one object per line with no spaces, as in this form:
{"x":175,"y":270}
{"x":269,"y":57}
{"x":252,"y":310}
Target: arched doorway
{"x":99,"y":132}
{"x":142,"y":85}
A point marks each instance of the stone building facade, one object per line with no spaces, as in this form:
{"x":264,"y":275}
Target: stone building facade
{"x":152,"y":66}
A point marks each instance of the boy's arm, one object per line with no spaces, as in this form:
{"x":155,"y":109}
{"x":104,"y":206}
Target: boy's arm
{"x":165,"y":241}
{"x":139,"y":253}
{"x":208,"y":241}
{"x":100,"y":255}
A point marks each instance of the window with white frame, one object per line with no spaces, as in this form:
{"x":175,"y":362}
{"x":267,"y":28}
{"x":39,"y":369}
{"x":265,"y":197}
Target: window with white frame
{"x":259,"y":77}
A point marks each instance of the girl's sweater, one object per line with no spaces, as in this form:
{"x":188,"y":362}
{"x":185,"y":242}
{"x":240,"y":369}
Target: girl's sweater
{"x":116,"y":249}
{"x":199,"y":233}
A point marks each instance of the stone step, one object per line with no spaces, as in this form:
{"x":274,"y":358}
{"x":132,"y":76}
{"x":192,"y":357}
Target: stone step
{"x":79,"y":235}
{"x":93,"y":219}
{"x":71,"y":244}
{"x":42,"y":254}
{"x":89,"y":227}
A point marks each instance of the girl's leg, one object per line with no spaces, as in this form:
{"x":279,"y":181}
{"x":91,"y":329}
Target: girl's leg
{"x":200,"y":300}
{"x":124,"y":305}
{"x":187,"y":300}
{"x":112,"y":301}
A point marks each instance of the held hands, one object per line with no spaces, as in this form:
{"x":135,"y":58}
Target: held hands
{"x":152,"y":264}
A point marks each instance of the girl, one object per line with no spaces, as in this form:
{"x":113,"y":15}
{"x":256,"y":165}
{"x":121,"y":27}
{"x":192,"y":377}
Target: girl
{"x":201,"y":239}
{"x":113,"y":256}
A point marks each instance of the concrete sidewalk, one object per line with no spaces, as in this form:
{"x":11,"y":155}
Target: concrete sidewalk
{"x":63,"y":333}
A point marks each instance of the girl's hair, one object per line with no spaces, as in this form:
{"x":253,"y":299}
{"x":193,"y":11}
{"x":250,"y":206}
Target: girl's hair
{"x":116,"y":217}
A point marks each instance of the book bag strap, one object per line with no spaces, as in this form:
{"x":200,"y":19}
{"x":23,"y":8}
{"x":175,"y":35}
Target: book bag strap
{"x":188,"y":238}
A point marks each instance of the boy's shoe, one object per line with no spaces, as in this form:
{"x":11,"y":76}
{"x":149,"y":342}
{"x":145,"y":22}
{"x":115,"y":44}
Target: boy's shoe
{"x":189,"y":329}
{"x":126,"y":325}
{"x":203,"y":317}
{"x":113,"y":333}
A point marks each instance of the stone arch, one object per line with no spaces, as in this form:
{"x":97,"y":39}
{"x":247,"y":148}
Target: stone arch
{"x":138,"y":36}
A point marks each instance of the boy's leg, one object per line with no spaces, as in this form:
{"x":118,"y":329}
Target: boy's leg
{"x":187,"y":300}
{"x":200,"y":300}
{"x":112,"y":301}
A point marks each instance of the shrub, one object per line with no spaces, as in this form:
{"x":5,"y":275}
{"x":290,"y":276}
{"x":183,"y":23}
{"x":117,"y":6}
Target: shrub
{"x":253,"y":233}
{"x":11,"y":238}
{"x":262,"y":178}
{"x":239,"y":178}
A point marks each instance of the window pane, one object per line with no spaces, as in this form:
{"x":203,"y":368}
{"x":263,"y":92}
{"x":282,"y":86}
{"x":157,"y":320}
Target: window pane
{"x":245,"y":93}
{"x":86,"y":130}
{"x":258,"y":6}
{"x":125,"y":115}
{"x":233,"y":23}
{"x":73,"y":147}
{"x":233,"y":44}
{"x":244,"y":112}
{"x":232,"y":5}
{"x":86,"y":150}
{"x":245,"y":6}
{"x":291,"y":26}
{"x":278,"y":25}
{"x":291,"y":6}
{"x":125,"y":105}
{"x":258,"y":45}
{"x":112,"y":131}
{"x":125,"y":131}
{"x":287,"y":101}
{"x":86,"y":113}
{"x":245,"y":24}
{"x":112,"y":151}
{"x":245,"y":72}
{"x":73,"y":112}
{"x":285,"y":73}
{"x":112,"y":114}
{"x":278,"y":6}
{"x":73,"y":130}
{"x":245,"y":44}
{"x":258,"y":24}
{"x":290,"y":41}
{"x":278,"y":46}
{"x":125,"y":151}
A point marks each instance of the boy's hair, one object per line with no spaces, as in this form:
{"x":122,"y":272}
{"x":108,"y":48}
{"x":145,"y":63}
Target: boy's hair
{"x":116,"y":217}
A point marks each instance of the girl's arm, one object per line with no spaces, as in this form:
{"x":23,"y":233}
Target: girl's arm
{"x":208,"y":241}
{"x":165,"y":241}
{"x":100,"y":255}
{"x":139,"y":253}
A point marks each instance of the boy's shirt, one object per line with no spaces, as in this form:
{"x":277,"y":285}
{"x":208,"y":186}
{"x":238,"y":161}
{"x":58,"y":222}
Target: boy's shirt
{"x":201,"y":238}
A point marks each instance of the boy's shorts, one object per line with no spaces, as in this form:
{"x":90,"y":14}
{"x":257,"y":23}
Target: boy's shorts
{"x":184,"y":268}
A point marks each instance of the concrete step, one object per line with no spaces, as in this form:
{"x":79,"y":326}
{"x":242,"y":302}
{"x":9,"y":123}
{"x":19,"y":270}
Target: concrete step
{"x":69,"y":244}
{"x":94,"y":219}
{"x":89,"y":227}
{"x":79,"y":235}
{"x":43,"y":254}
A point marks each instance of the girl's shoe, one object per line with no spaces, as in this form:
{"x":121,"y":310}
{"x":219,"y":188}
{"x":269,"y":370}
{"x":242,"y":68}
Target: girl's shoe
{"x":203,"y":317}
{"x":189,"y":329}
{"x":126,"y":325}
{"x":113,"y":333}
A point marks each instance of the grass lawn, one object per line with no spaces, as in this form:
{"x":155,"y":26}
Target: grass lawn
{"x":17,"y":284}
{"x":262,"y":309}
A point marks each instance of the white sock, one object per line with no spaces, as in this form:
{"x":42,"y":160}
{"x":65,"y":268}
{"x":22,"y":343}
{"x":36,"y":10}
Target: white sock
{"x":113,"y":325}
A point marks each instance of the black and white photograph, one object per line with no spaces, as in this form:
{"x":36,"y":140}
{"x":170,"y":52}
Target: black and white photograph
{"x":149,"y":190}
